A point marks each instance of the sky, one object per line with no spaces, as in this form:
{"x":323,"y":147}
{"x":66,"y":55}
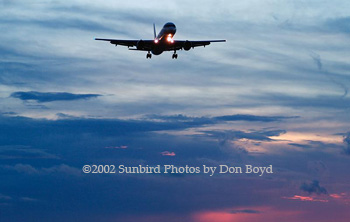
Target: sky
{"x":276,"y":93}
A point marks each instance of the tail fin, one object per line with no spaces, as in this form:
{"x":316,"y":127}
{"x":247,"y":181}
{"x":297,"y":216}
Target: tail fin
{"x":154,"y":30}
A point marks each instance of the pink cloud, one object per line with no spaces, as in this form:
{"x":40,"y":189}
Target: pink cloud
{"x":167,"y":153}
{"x":306,"y":198}
{"x":335,"y":196}
{"x":342,"y":197}
{"x":267,"y":214}
{"x":339,"y":197}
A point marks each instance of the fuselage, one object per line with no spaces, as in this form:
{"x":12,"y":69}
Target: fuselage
{"x":164,"y":38}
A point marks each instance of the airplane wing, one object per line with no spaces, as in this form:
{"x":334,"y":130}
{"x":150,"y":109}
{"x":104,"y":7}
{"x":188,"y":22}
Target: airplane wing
{"x":187,"y":44}
{"x":196,"y":43}
{"x":147,"y":45}
{"x":143,"y":45}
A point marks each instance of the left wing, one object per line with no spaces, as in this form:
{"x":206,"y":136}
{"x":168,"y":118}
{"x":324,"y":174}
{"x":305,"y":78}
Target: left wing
{"x":142,"y":45}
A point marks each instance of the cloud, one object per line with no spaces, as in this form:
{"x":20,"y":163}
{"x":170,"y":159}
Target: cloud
{"x":263,"y":135}
{"x":242,"y":117}
{"x":4,"y":197}
{"x":217,"y":119}
{"x":306,"y":198}
{"x":24,"y":152}
{"x":51,"y":96}
{"x":305,"y":146}
{"x":23,"y":168}
{"x":317,"y":59}
{"x":167,"y":153}
{"x":28,"y":199}
{"x":29,"y":169}
{"x":30,"y":129}
{"x":340,"y":24}
{"x":311,"y":102}
{"x":342,"y":197}
{"x":8,"y":113}
{"x":59,"y":23}
{"x":315,"y":145}
{"x":116,"y":147}
{"x":229,"y":140}
{"x":313,"y":187}
{"x":245,"y":211}
{"x":24,"y":127}
{"x":346,"y":140}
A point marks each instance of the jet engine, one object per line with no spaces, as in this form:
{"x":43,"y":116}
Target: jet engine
{"x":140,"y":44}
{"x":187,"y":45}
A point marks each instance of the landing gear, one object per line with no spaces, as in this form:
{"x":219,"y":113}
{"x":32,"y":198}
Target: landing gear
{"x":149,"y":55}
{"x":174,"y":55}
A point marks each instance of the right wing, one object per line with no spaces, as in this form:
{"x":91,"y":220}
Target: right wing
{"x":142,"y":45}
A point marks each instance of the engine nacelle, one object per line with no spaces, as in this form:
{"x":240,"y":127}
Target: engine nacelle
{"x":140,"y":44}
{"x":187,"y":45}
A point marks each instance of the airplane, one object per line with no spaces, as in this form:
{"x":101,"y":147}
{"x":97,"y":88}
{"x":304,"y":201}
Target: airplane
{"x":162,"y":42}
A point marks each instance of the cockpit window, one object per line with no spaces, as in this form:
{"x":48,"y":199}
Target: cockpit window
{"x":169,"y":25}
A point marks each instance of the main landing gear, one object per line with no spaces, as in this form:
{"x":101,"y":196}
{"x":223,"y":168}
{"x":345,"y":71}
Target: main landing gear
{"x":149,"y":55}
{"x":174,"y":55}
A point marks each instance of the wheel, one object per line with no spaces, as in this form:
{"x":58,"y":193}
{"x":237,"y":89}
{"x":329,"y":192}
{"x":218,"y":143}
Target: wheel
{"x":175,"y":56}
{"x":149,"y":56}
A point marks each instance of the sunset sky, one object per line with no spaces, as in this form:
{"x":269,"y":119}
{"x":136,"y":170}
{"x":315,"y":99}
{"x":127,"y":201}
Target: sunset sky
{"x":276,"y":93}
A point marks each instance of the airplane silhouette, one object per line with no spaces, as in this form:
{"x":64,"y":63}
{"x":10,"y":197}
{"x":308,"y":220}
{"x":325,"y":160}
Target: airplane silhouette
{"x":162,"y":42}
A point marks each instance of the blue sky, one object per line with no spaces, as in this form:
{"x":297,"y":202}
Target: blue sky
{"x":275,"y":93}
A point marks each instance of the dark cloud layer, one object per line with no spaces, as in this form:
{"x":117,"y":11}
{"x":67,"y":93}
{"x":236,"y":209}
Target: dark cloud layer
{"x":253,"y":118}
{"x":83,"y":141}
{"x":263,"y":135}
{"x":51,"y":96}
{"x":313,"y":187}
{"x":17,"y":125}
{"x":216,"y":119}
